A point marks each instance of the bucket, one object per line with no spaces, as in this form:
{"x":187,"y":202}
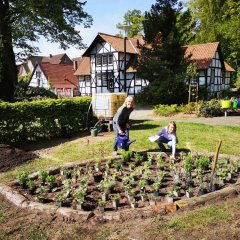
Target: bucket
{"x":94,"y":132}
{"x":226,"y":104}
{"x":235,"y":104}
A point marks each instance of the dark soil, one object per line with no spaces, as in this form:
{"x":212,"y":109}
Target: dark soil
{"x":11,"y":157}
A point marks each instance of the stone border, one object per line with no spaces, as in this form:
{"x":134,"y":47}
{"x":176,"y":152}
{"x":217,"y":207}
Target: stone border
{"x":82,"y":216}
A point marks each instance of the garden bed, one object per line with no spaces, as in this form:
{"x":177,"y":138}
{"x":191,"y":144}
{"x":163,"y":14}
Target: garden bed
{"x":134,"y":180}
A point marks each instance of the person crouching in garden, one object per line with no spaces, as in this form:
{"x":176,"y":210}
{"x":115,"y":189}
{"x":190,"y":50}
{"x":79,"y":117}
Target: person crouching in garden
{"x":168,"y":135}
{"x":121,"y":122}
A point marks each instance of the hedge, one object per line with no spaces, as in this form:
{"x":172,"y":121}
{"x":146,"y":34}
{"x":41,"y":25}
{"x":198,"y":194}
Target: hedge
{"x":45,"y":119}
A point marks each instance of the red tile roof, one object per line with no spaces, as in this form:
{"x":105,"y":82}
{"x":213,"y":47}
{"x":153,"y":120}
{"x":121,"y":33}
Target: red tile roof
{"x":60,"y":76}
{"x":229,"y":68}
{"x":201,"y":54}
{"x":83,"y":67}
{"x":57,"y":59}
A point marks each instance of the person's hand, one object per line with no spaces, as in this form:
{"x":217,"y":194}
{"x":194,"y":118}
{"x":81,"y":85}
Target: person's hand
{"x":120,"y":132}
{"x":128,"y":125}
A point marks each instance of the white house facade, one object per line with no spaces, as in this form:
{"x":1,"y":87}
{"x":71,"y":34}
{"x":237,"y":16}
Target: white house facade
{"x":108,"y":68}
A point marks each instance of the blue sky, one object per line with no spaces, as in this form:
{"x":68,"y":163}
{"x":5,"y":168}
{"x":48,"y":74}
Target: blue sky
{"x":106,"y":14}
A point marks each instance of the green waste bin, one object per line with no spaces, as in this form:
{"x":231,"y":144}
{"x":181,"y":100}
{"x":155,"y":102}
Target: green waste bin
{"x":235,"y":104}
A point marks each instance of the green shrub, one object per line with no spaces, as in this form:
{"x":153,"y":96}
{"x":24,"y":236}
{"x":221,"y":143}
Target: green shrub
{"x":166,"y":110}
{"x":210,"y":108}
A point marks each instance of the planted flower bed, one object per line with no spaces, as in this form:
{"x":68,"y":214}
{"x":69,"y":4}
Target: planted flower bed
{"x":135,"y":180}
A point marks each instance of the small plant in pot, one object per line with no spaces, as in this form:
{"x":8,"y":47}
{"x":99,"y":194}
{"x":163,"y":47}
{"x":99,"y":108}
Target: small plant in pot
{"x":170,"y":196}
{"x":156,"y":186}
{"x":51,"y":181}
{"x":31,"y":186}
{"x":101,"y":205}
{"x":79,"y":195}
{"x":23,"y":178}
{"x":42,"y":194}
{"x":133,"y":203}
{"x":115,"y":200}
{"x":43,"y":176}
{"x":189,"y":192}
{"x":126,"y":156}
{"x":61,"y":197}
{"x":203,"y":189}
{"x":138,"y":158}
{"x":160,"y":162}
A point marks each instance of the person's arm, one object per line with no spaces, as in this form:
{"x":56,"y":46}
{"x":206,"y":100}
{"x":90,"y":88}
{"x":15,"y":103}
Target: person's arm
{"x":161,"y":132}
{"x":116,"y":119}
{"x":174,"y":143}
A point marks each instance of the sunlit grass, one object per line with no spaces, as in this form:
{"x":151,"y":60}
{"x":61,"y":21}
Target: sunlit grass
{"x":201,"y":137}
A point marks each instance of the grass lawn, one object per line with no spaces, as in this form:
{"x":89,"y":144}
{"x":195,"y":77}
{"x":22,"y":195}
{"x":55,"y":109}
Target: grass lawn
{"x":197,"y":137}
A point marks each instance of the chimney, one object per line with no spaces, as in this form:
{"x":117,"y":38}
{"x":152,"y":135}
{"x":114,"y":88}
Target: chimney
{"x":75,"y":65}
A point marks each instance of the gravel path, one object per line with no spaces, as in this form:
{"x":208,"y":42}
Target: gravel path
{"x":146,"y":113}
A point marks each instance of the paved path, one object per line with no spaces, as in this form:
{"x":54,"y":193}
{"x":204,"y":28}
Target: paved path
{"x":146,"y":113}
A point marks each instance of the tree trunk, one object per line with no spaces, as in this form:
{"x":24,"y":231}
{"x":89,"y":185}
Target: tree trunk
{"x":8,"y":69}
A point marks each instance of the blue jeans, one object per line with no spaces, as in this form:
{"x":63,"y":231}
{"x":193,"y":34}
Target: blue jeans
{"x":162,"y":140}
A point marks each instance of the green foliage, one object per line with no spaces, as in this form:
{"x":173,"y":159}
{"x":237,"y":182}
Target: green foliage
{"x":43,"y":175}
{"x":23,"y":177}
{"x":23,"y":80}
{"x":32,"y":121}
{"x":210,"y":108}
{"x":32,"y":94}
{"x":24,"y":23}
{"x":134,"y":19}
{"x":217,"y":21}
{"x":166,"y":110}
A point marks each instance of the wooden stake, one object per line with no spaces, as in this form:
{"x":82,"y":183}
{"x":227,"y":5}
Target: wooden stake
{"x":219,"y":143}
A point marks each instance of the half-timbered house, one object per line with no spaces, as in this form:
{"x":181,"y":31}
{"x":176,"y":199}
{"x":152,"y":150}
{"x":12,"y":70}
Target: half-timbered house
{"x":57,"y":75}
{"x":214,"y":74}
{"x":108,"y":66}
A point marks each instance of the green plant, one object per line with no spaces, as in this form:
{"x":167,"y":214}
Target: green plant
{"x":79,"y":194}
{"x":31,"y":184}
{"x":188,"y":163}
{"x":23,"y":177}
{"x":156,"y":186}
{"x":101,"y":203}
{"x":115,"y":197}
{"x":107,"y":184}
{"x":43,"y":175}
{"x":51,"y":180}
{"x":126,"y":156}
{"x":138,"y":157}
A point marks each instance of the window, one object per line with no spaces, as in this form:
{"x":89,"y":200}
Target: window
{"x":99,"y":60}
{"x":40,"y":83}
{"x":110,"y":59}
{"x":38,"y":74}
{"x":88,"y":81}
{"x":212,"y":76}
{"x":99,"y":80}
{"x":104,"y":59}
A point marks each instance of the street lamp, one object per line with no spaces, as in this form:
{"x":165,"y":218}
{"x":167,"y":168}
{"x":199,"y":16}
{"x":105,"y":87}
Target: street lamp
{"x":125,"y":27}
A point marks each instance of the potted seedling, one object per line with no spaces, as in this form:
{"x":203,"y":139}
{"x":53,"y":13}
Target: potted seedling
{"x":31,"y":186}
{"x":51,"y":181}
{"x":152,"y":199}
{"x":23,"y":178}
{"x":189,"y":192}
{"x":65,"y":171}
{"x":133,"y":203}
{"x":131,"y":166}
{"x":97,"y":165}
{"x":101,"y":205}
{"x":170,"y":196}
{"x":79,"y":195}
{"x":142,"y":185}
{"x":106,"y":185}
{"x":156,"y":186}
{"x":138,"y":158}
{"x":115,"y":200}
{"x":42,"y":176}
{"x":176,"y":190}
{"x":160,"y":162}
{"x":126,"y":156}
{"x":203,"y":189}
{"x":42,"y":194}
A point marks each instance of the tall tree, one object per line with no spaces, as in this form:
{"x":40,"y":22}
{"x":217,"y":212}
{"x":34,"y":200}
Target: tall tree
{"x":22,"y":22}
{"x":134,"y":19}
{"x":219,"y":20}
{"x":161,"y":60}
